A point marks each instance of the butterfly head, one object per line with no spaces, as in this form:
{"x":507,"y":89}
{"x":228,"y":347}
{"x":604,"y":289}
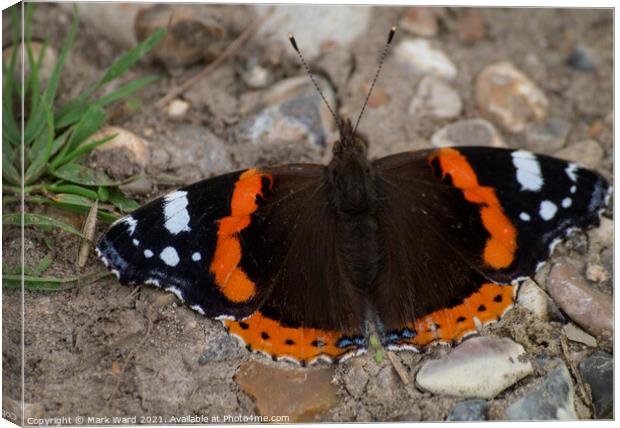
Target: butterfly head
{"x":351,"y":145}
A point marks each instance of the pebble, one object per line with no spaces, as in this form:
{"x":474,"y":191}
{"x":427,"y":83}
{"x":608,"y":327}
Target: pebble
{"x":420,"y":21}
{"x":290,"y":121}
{"x":535,"y":300}
{"x":125,"y":155}
{"x":255,"y":76}
{"x":470,"y":25}
{"x":301,"y":394}
{"x":434,"y":97}
{"x":596,"y":273}
{"x":470,"y":410}
{"x":604,"y":234}
{"x":598,"y":371}
{"x":465,"y":371}
{"x":551,"y":400}
{"x":379,"y":97}
{"x":468,"y":132}
{"x":177,"y":108}
{"x":508,"y":97}
{"x":576,"y":334}
{"x":422,"y":58}
{"x":590,"y":308}
{"x":141,"y":186}
{"x":355,"y":381}
{"x":339,"y":26}
{"x":548,"y":137}
{"x":219,"y":349}
{"x":587,"y":153}
{"x":194,"y":32}
{"x":581,"y":59}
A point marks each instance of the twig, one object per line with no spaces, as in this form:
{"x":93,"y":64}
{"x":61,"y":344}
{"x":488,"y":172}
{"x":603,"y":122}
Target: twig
{"x":229,"y":52}
{"x":398,"y":366}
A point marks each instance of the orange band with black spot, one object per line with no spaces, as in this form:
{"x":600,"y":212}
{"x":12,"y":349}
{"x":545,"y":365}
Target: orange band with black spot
{"x":500,"y":248}
{"x":301,"y":344}
{"x":450,"y":325}
{"x":232,"y":281}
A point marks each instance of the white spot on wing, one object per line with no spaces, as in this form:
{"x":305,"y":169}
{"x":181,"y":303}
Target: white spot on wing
{"x":524,"y":216}
{"x":528,"y":170}
{"x":567,"y":202}
{"x":148,"y":253}
{"x":547,"y":210}
{"x":573,"y":189}
{"x":131,"y":224}
{"x":571,"y":170}
{"x":175,"y":212}
{"x":169,"y":256}
{"x":136,"y":242}
{"x":196,"y":256}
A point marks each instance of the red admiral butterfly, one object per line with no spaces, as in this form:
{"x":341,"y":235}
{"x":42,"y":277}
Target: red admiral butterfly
{"x":294,"y":258}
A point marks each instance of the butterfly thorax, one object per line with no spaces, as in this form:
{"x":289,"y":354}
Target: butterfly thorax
{"x":351,"y":176}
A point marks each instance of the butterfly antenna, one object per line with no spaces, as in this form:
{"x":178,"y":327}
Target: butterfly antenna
{"x":291,"y":38}
{"x":372,"y":85}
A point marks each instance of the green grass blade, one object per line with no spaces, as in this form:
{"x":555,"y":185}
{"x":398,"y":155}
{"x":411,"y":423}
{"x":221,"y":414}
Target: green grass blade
{"x":73,"y":190}
{"x":50,"y":283}
{"x":39,"y":220}
{"x":92,"y":120}
{"x":81,"y":204}
{"x":127,"y":60}
{"x":39,"y":164}
{"x":120,"y":201}
{"x":127,"y":90}
{"x":36,"y":123}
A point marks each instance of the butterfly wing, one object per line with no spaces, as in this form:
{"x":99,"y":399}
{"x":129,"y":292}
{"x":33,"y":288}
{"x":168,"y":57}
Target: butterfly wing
{"x":231,"y":246}
{"x":488,"y":216}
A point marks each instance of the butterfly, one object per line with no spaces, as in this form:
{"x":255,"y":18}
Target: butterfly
{"x":298,"y":260}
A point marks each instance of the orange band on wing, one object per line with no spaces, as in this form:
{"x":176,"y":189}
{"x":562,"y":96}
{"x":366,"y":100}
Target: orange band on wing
{"x":450,"y":325}
{"x":232,"y":280}
{"x":500,"y":247}
{"x":301,"y":344}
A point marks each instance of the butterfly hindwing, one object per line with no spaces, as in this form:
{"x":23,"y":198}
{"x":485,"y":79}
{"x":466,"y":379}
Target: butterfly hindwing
{"x":456,"y":222}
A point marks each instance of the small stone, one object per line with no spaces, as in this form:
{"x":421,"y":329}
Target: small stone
{"x":580,"y":59}
{"x":290,"y":121}
{"x":551,"y":400}
{"x":470,"y":25}
{"x":256,"y":76}
{"x":470,"y":410}
{"x":578,"y":335}
{"x":603,"y":235}
{"x":219,"y":349}
{"x":355,"y":381}
{"x":420,"y":21}
{"x":508,"y":97}
{"x":596,"y":273}
{"x":422,"y":58}
{"x":468,"y":132}
{"x":339,"y":26}
{"x":548,"y":137}
{"x":480,"y":367}
{"x":303,"y":395}
{"x":436,"y":98}
{"x":587,"y":153}
{"x":141,"y":186}
{"x":124,"y":155}
{"x":598,"y":371}
{"x":535,"y":300}
{"x":178,"y":108}
{"x":590,"y":308}
{"x":194,"y":32}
